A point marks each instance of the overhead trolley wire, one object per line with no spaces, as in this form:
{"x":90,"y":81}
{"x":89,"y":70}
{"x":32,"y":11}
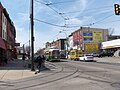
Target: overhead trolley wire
{"x":48,"y":23}
{"x":112,"y":21}
{"x":50,"y":8}
{"x":103,"y":19}
{"x":93,"y":14}
{"x":87,"y":10}
{"x":92,"y":23}
{"x":60,"y":14}
{"x":61,"y":2}
{"x":40,"y":2}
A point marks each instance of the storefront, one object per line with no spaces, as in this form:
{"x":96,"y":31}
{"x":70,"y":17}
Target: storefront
{"x":2,"y":50}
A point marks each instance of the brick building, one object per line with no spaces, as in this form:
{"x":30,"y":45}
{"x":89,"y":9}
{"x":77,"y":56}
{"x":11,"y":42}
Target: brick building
{"x":59,"y":44}
{"x":7,"y":36}
{"x":89,"y":39}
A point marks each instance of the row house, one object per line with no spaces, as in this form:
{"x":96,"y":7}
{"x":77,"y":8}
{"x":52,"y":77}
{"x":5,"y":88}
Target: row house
{"x":7,"y":36}
{"x":60,"y":44}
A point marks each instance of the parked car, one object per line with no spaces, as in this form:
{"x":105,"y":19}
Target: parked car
{"x":86,"y":58}
{"x":94,"y":54}
{"x":103,"y":54}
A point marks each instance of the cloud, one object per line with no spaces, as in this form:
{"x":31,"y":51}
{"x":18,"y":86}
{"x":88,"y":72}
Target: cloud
{"x":22,"y":35}
{"x":75,"y":21}
{"x":23,"y":17}
{"x":40,"y":39}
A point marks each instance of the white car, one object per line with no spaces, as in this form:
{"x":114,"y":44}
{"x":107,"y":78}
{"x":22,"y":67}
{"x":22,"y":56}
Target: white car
{"x":86,"y":58}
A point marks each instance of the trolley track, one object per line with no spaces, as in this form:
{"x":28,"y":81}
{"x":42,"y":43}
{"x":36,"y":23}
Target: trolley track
{"x":103,"y":73}
{"x":38,"y":76}
{"x":62,"y":74}
{"x":68,"y":70}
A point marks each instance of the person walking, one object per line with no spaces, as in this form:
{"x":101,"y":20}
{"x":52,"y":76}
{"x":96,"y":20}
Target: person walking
{"x":23,"y":58}
{"x":39,"y":63}
{"x":43,"y":60}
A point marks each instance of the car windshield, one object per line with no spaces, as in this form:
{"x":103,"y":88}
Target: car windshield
{"x":88,"y":55}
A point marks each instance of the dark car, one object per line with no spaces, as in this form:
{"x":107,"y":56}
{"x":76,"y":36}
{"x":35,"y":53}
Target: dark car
{"x":94,"y":54}
{"x":103,"y":54}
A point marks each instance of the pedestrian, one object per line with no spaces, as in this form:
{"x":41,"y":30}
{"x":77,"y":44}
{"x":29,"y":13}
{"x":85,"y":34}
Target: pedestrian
{"x":23,"y":58}
{"x":43,"y":60}
{"x":5,"y":60}
{"x":39,"y":63}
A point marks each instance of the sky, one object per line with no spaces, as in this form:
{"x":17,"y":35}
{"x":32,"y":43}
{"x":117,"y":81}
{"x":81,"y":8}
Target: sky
{"x":53,"y":16}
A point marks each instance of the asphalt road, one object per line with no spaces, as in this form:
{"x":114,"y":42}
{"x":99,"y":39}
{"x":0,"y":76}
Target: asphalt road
{"x":71,"y":75}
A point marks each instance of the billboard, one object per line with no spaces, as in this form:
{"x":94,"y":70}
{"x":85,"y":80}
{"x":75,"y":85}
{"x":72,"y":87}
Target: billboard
{"x":88,"y":36}
{"x":97,"y":36}
{"x":91,"y":46}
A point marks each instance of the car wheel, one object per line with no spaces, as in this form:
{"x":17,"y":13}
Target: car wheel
{"x":84,"y":59}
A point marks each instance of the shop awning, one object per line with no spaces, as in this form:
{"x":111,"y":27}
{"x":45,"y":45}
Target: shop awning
{"x":2,"y":43}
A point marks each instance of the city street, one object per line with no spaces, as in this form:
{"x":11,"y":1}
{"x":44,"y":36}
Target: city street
{"x":60,"y":45}
{"x":104,"y":74}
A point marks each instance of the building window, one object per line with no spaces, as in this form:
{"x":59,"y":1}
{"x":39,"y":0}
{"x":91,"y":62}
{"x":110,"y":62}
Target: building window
{"x":4,"y":27}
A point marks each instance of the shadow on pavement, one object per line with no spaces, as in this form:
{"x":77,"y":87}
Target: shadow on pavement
{"x":109,"y":63}
{"x":18,"y":64}
{"x":13,"y":65}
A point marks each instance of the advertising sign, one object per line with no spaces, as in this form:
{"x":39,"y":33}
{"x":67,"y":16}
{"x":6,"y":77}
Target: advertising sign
{"x":87,"y":36}
{"x":91,"y":46}
{"x":97,"y":36}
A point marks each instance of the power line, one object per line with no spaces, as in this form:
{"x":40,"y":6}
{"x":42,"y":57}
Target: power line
{"x":63,"y":2}
{"x":102,"y":19}
{"x":90,"y":14}
{"x":51,"y":3}
{"x":107,"y":21}
{"x":48,"y":23}
{"x":54,"y":36}
{"x":92,"y":9}
{"x":50,"y":7}
{"x":112,"y":21}
{"x":56,"y":11}
{"x":92,"y":23}
{"x":73,"y":26}
{"x":60,"y":14}
{"x":40,"y":2}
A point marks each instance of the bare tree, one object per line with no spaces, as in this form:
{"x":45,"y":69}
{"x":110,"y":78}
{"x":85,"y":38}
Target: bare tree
{"x":27,"y":50}
{"x":110,"y":31}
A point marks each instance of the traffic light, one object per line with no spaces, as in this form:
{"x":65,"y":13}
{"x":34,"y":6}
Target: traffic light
{"x":117,"y":9}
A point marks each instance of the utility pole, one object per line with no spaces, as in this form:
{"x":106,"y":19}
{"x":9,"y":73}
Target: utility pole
{"x":32,"y":37}
{"x":67,"y":47}
{"x":23,"y":57}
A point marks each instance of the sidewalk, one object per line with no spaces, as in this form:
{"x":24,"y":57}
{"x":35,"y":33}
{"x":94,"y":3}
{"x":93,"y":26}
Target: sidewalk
{"x":15,"y":70}
{"x":112,"y":60}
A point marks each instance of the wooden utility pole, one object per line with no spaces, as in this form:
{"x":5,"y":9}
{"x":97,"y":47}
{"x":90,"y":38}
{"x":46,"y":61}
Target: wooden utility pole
{"x":32,"y":37}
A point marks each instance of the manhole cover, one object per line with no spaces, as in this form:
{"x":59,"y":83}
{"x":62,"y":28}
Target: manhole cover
{"x":117,"y":84}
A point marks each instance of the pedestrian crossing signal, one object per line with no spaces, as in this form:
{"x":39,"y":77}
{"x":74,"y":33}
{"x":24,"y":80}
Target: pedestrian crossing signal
{"x":117,"y":9}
